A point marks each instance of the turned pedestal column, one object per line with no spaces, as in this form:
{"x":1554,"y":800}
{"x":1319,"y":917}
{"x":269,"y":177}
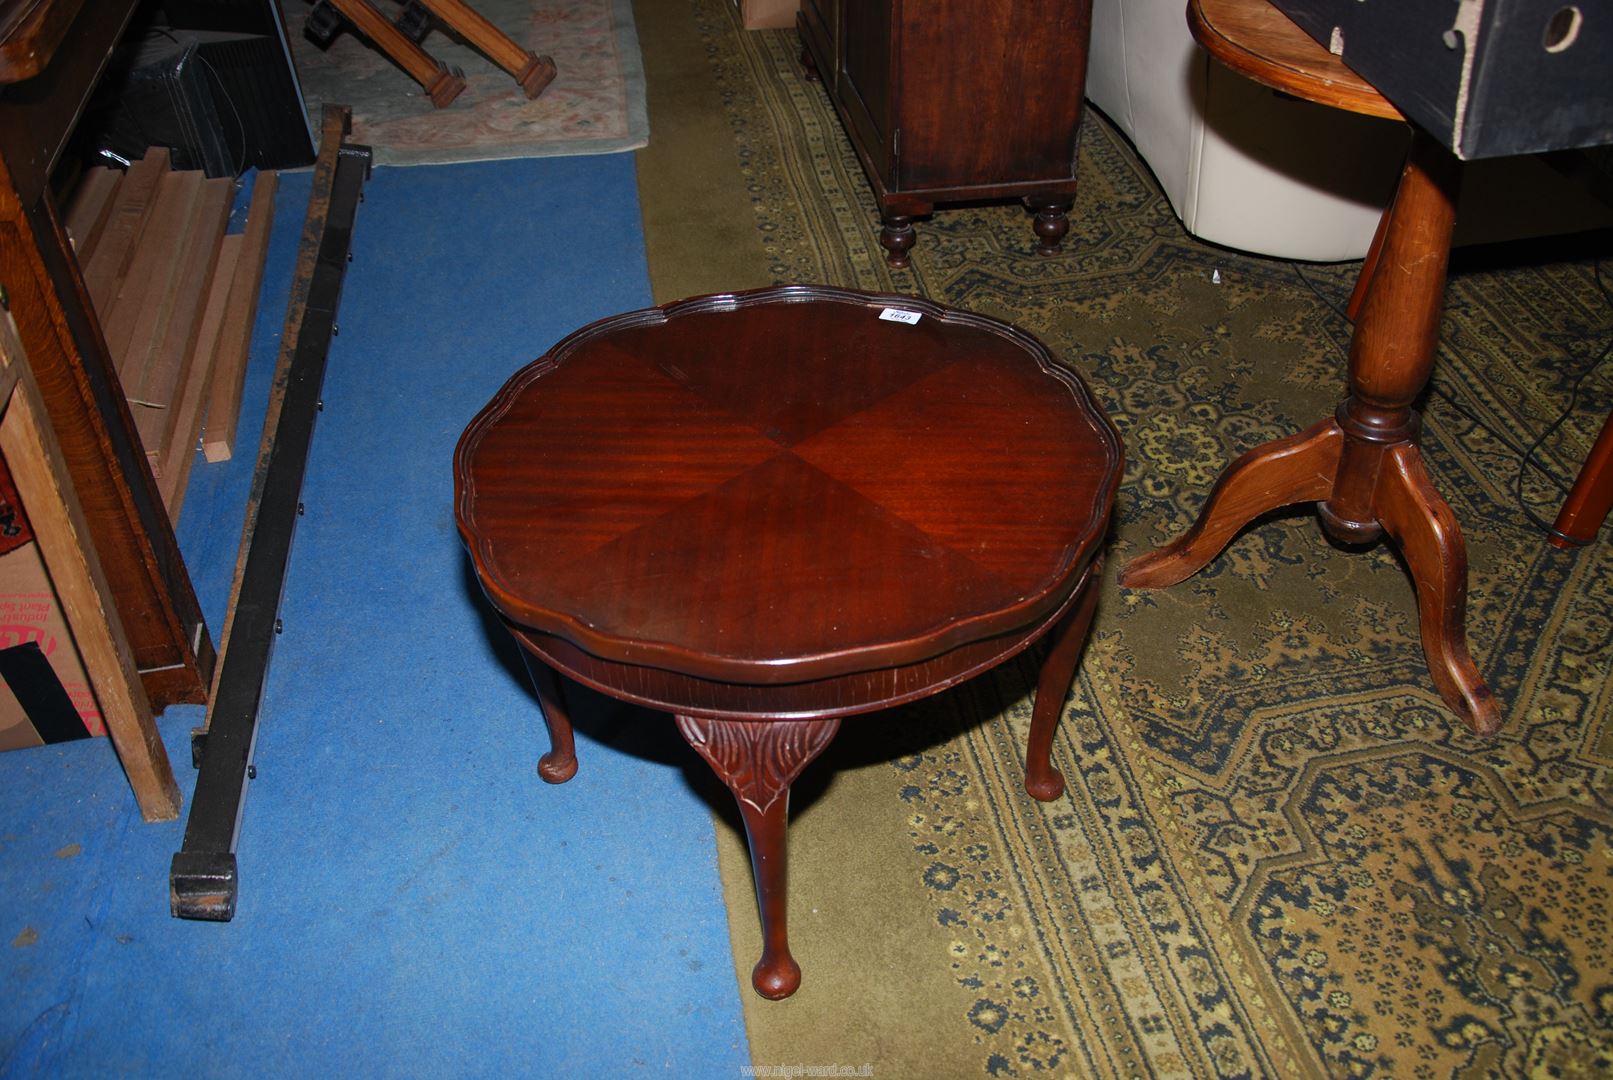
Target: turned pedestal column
{"x":1362,"y":466}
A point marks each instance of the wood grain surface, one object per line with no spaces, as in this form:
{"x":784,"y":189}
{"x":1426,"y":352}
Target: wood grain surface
{"x":782,"y":486}
{"x":1261,"y":43}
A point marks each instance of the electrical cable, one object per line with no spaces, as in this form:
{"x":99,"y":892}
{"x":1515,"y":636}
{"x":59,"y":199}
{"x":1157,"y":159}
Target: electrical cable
{"x":1526,"y":456}
{"x":240,"y":125}
{"x":1573,"y":400}
{"x":1435,"y":388}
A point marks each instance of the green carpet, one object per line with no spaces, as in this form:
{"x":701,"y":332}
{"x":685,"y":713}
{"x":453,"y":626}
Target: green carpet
{"x":1279,"y":854}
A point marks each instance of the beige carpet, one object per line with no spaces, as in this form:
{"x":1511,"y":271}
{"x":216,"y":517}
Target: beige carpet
{"x":594,"y":106}
{"x":1279,"y":854}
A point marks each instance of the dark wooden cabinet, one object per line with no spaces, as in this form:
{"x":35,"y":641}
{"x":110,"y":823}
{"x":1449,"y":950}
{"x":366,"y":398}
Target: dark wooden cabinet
{"x":49,"y":60}
{"x":955,"y":100}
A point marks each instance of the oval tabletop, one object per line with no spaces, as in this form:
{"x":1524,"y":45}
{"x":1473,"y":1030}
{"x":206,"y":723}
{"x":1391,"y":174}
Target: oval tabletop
{"x":787,"y":484}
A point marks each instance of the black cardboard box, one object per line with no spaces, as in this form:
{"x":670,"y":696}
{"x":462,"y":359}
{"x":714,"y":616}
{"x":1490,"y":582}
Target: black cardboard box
{"x":1487,"y":78}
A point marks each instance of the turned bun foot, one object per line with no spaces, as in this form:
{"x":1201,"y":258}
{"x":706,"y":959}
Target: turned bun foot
{"x":1052,"y":224}
{"x":897,"y":239}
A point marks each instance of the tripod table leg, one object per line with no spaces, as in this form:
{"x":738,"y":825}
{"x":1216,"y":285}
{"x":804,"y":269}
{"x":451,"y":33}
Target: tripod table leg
{"x":1299,"y":468}
{"x":1422,"y":525}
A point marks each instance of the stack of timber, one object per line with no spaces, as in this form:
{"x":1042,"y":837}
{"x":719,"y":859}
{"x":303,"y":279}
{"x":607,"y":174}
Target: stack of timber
{"x":176,"y":296}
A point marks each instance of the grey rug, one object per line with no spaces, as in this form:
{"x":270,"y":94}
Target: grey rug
{"x":594,"y":106}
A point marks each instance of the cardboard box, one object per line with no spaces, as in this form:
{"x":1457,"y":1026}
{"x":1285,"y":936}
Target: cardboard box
{"x":31,"y":623}
{"x":1509,"y":77}
{"x":767,"y":14}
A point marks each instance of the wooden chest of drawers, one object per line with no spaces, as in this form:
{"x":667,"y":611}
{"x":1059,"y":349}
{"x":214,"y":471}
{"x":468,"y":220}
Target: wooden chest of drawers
{"x":955,"y":100}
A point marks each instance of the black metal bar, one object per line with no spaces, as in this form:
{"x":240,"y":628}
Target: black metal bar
{"x":203,"y":879}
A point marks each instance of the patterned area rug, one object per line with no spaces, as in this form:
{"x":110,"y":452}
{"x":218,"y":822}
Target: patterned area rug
{"x":1279,"y":853}
{"x":594,"y":106}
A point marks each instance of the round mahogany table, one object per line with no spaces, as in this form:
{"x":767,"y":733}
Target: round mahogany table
{"x":768,"y":511}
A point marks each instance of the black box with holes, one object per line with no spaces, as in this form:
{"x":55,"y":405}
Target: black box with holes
{"x":1486,"y":77}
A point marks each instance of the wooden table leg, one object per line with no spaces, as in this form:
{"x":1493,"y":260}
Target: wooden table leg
{"x":1363,"y":465}
{"x":1591,"y":497}
{"x":560,"y":763}
{"x":1042,"y":780}
{"x":897,"y":237}
{"x":1298,"y":468}
{"x":1052,"y":221}
{"x":532,"y":71}
{"x":1421,"y":524}
{"x":441,"y":82}
{"x":759,"y":760}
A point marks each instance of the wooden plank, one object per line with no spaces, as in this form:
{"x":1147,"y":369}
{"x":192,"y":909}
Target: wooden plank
{"x":90,"y":208}
{"x":178,"y":452}
{"x":165,"y":372}
{"x":235,"y":339}
{"x":105,"y":271}
{"x":37,"y":467}
{"x":139,"y":315}
{"x":66,"y":350}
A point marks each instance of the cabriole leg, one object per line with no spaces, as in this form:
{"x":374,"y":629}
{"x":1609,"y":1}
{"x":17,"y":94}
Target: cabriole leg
{"x":560,"y":763}
{"x":1042,"y":780}
{"x":758,"y":760}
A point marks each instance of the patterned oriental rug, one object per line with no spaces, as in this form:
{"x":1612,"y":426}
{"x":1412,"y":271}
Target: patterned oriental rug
{"x":1279,"y":855}
{"x":594,"y":106}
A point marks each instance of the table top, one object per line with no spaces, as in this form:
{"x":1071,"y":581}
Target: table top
{"x":1259,"y":42}
{"x":786,"y":484}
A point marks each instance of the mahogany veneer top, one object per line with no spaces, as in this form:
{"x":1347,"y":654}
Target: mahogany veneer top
{"x":1259,"y":42}
{"x":777,"y":486}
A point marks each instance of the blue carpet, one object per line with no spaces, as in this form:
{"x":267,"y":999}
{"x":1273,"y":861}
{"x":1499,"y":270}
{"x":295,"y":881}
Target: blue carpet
{"x":414,"y":900}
